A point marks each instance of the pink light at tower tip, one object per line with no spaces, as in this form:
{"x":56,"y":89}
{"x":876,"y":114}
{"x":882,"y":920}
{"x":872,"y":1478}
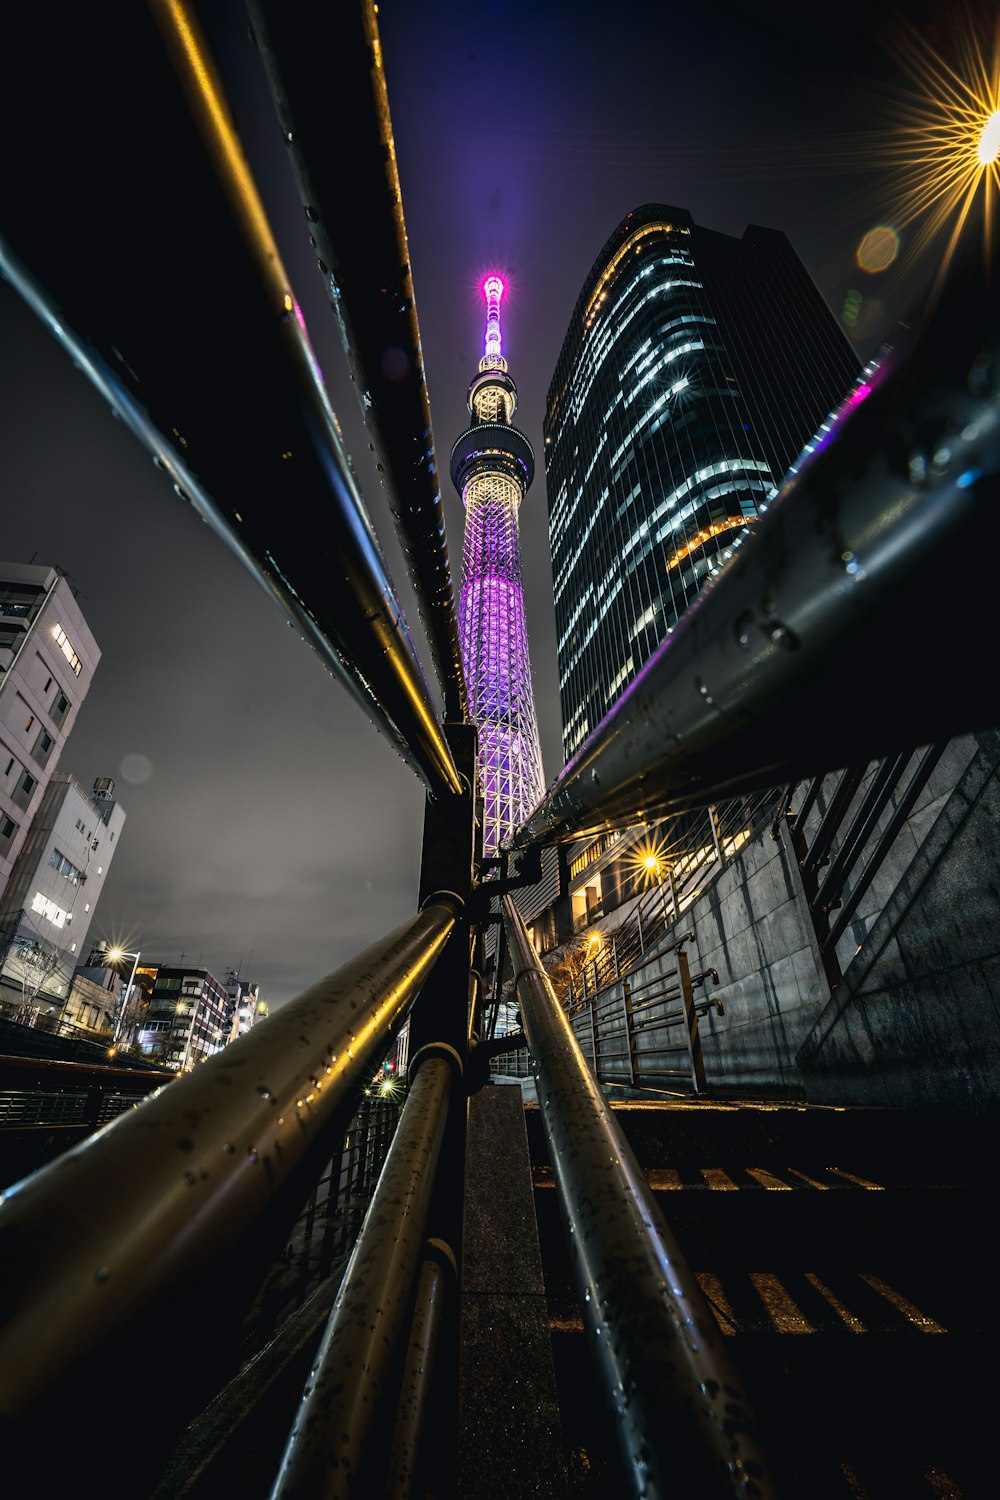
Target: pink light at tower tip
{"x":493,"y":291}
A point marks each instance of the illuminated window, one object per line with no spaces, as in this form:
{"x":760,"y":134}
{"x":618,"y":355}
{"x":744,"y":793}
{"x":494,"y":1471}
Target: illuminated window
{"x":49,"y":910}
{"x":62,"y":640}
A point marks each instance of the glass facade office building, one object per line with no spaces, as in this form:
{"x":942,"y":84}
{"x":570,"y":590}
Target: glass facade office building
{"x":695,"y":369}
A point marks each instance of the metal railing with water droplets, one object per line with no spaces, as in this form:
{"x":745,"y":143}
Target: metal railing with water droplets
{"x":141,"y":1249}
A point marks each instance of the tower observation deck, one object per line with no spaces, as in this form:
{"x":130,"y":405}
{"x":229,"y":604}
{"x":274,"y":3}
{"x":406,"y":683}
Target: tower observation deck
{"x":492,"y":466}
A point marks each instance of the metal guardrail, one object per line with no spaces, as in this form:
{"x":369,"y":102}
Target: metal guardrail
{"x":264,"y":463}
{"x":110,"y":1226}
{"x":690,"y":850}
{"x":829,"y":581}
{"x":48,"y":1104}
{"x":641,"y":1035}
{"x":364,"y":261}
{"x":327,"y":1229}
{"x":336,"y":1417}
{"x":684,"y":1424}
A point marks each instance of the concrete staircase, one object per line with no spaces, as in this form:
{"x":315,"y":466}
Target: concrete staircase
{"x":846,"y":1253}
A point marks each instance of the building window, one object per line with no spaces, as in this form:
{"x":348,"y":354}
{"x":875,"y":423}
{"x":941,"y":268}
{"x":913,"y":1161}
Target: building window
{"x":43,"y":747}
{"x":7,"y":830}
{"x":63,"y":642}
{"x":66,"y":868}
{"x":60,"y":708}
{"x":31,"y":720}
{"x":48,"y":684}
{"x":49,"y":910}
{"x":22,"y":793}
{"x":10,"y":766}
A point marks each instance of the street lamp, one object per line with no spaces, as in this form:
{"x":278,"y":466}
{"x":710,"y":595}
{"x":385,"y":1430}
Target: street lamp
{"x":115,"y":956}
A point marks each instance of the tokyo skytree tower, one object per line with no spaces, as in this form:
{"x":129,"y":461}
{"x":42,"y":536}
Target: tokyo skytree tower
{"x":492,"y":465}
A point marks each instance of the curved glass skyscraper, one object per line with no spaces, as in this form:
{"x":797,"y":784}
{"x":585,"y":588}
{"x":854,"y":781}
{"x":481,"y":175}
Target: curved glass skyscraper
{"x":695,"y":367}
{"x":492,"y":465}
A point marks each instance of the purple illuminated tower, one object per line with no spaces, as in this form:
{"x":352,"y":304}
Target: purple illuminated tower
{"x":492,"y":465}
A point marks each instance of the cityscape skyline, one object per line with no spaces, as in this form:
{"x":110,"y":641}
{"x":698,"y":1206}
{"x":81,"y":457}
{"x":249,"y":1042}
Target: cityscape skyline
{"x":246,"y":846}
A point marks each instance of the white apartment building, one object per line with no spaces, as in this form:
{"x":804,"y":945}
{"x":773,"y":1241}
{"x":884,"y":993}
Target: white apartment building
{"x":53,"y":890}
{"x":47,"y":659}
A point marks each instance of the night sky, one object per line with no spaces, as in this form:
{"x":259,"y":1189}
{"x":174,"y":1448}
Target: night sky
{"x":268,"y":827}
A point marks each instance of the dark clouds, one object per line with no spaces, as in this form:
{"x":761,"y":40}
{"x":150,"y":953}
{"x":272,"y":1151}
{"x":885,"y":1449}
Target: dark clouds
{"x":274,"y":828}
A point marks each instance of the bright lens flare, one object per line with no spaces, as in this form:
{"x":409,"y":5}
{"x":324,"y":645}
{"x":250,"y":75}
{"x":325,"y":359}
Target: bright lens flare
{"x":647,"y":861}
{"x":989,"y":142}
{"x":947,"y":145}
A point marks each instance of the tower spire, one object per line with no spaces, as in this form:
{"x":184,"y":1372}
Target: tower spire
{"x":493,"y":359}
{"x":492,"y":466}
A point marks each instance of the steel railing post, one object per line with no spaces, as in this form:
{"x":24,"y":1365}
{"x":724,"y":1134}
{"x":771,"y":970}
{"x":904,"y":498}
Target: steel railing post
{"x":691,"y":1032}
{"x":713,"y":823}
{"x":337,"y":1414}
{"x":673,"y":896}
{"x":630,"y":1039}
{"x":683,"y":1422}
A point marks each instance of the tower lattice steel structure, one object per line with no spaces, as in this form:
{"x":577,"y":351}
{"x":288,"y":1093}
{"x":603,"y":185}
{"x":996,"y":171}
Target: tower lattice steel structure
{"x":492,"y":465}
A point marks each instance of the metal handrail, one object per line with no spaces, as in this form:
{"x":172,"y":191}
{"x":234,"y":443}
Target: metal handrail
{"x":364,"y":260}
{"x":263,"y":464}
{"x":819,"y":597}
{"x":661,"y":906}
{"x":379,"y":648}
{"x":330,"y":1438}
{"x":683,"y":1422}
{"x":110,"y":1227}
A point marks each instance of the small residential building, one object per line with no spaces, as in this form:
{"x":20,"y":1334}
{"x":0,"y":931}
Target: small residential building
{"x":187,"y":1018}
{"x":92,"y":1003}
{"x":53,"y":890}
{"x":47,"y":659}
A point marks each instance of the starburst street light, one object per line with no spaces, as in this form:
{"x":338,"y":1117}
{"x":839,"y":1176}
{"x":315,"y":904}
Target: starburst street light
{"x":648,"y":861}
{"x":114,"y":956}
{"x":988,"y":148}
{"x":947,"y":144}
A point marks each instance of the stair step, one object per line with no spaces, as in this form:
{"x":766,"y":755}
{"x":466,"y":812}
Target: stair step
{"x":859,"y":1229}
{"x":840,"y":1419}
{"x":829,"y":1302}
{"x":905,"y":1145}
{"x":836,"y":1249}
